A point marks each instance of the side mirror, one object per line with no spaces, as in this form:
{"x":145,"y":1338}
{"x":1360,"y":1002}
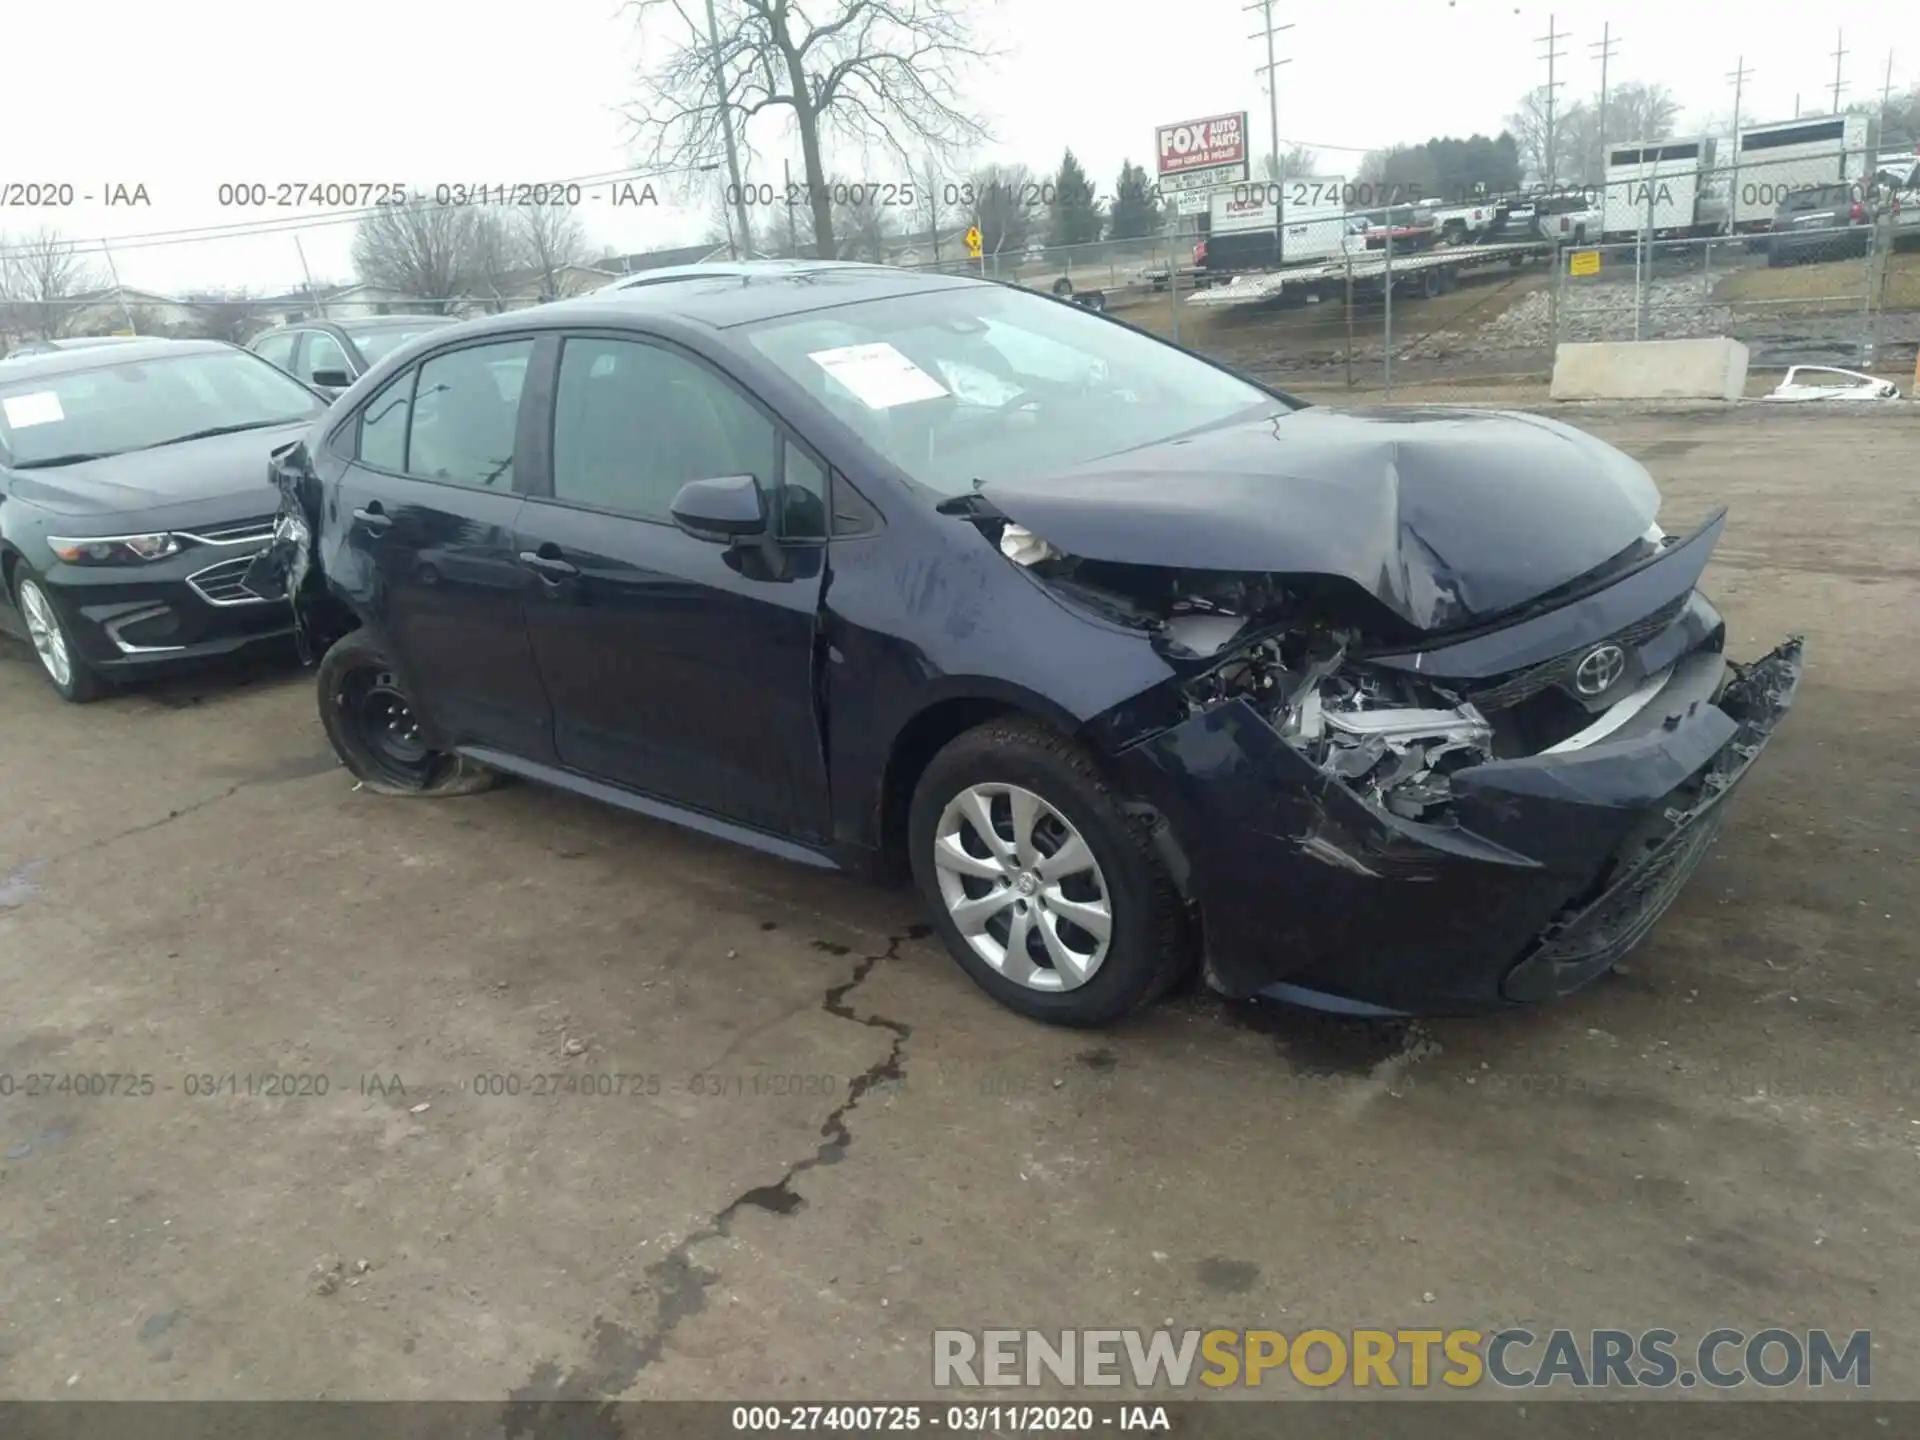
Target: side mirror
{"x":332,"y":379}
{"x":728,"y":508}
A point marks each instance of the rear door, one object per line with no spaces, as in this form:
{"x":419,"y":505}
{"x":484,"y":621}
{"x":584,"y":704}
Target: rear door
{"x":429,"y":553}
{"x":676,"y":666}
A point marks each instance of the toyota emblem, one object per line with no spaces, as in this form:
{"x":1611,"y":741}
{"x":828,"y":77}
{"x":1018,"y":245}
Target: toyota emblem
{"x":1597,"y":672}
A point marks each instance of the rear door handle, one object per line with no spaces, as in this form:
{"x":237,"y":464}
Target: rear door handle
{"x":547,"y":567}
{"x":372,"y":516}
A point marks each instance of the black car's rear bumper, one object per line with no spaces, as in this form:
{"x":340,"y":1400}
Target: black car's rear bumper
{"x":1556,"y":867}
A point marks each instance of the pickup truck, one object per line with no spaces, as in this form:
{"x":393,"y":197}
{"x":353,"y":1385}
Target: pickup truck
{"x":1458,"y":224}
{"x":1572,"y":219}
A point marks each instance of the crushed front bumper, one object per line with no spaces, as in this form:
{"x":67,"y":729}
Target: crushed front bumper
{"x":1556,"y":866}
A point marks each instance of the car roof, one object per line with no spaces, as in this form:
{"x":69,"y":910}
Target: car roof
{"x":739,"y":292}
{"x":98,"y":357}
{"x":387,"y":322}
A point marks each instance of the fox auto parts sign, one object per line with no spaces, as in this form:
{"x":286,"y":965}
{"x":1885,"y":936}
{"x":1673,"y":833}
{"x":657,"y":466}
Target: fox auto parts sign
{"x":1200,"y":154}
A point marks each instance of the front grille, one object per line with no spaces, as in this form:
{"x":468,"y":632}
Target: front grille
{"x":1522,"y":685}
{"x":237,"y":532}
{"x":225,"y":583}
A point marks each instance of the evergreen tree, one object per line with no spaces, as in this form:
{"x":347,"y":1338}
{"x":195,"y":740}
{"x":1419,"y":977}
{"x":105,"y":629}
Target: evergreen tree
{"x":1136,"y":210}
{"x":1073,"y":215}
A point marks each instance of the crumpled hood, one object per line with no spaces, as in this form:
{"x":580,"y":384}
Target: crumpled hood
{"x":1446,"y":517}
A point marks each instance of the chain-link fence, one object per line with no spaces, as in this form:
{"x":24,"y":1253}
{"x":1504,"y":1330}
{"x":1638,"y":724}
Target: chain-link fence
{"x":1470,"y":322}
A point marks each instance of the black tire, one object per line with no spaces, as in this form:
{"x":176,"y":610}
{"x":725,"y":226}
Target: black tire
{"x":359,"y":691}
{"x":1150,"y":946}
{"x":84,"y":684}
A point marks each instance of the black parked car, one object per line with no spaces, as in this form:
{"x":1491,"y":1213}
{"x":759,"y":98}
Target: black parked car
{"x":1821,"y":222}
{"x":134,"y":492}
{"x":27,"y":348}
{"x":1130,"y":660}
{"x":330,"y":356}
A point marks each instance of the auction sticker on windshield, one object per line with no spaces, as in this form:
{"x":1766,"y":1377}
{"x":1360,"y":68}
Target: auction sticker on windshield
{"x":42,"y":407}
{"x":879,"y":376}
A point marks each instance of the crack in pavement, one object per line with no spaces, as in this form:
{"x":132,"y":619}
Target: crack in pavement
{"x":616,"y":1356}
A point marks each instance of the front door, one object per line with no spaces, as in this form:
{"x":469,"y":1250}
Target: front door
{"x":677,"y":666}
{"x":430,"y":552}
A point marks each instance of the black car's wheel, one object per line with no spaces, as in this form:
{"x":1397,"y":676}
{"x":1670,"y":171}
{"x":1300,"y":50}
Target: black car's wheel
{"x":373,"y":729}
{"x":1050,"y":897}
{"x":60,"y":662}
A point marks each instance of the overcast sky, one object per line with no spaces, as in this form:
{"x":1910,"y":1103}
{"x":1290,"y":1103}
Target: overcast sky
{"x":185,"y":95}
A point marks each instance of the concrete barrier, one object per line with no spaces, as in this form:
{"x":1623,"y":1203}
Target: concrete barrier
{"x":1710,"y":369}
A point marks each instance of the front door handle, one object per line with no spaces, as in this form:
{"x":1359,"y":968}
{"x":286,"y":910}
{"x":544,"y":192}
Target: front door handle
{"x":547,"y":566}
{"x":372,"y":516}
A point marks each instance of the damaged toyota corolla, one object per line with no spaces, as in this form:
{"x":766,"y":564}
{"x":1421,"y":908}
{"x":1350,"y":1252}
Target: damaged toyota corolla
{"x":1132,"y":662}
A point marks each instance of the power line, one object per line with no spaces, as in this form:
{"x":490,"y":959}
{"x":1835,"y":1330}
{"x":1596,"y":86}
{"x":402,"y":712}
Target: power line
{"x":280,"y":225}
{"x":1271,"y":70}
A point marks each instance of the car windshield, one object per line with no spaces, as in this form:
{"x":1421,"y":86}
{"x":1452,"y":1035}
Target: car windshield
{"x":377,"y":344}
{"x":138,"y":404}
{"x":988,"y":382}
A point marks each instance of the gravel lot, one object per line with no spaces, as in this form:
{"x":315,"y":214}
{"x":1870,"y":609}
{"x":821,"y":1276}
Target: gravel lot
{"x":831,"y":1143}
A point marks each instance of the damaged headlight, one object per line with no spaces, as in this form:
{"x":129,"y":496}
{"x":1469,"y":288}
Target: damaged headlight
{"x":1393,"y":739}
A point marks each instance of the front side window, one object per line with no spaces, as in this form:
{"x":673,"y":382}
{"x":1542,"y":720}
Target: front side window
{"x":143,"y":404}
{"x":383,"y":424}
{"x":466,"y":408}
{"x":634,"y":422}
{"x":277,"y":349}
{"x":323,"y":353}
{"x":989,"y":382}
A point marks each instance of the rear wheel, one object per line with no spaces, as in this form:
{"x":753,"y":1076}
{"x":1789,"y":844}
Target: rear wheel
{"x":1046,"y":892}
{"x":370,"y":720}
{"x":60,"y":662}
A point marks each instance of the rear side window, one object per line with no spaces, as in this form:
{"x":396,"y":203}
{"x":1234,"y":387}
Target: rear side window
{"x":383,"y":425}
{"x":466,"y":409}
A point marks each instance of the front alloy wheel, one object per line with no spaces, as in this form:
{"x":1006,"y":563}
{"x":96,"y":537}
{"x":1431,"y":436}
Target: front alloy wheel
{"x":1022,"y":887}
{"x":1045,"y":884}
{"x":70,"y":675}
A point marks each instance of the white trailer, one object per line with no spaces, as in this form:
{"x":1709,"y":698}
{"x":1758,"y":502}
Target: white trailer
{"x":1245,"y":224}
{"x":1771,"y":162}
{"x":1665,"y":187}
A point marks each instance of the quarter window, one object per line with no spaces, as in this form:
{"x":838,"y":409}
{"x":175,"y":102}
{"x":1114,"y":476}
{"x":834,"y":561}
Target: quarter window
{"x":383,"y":424}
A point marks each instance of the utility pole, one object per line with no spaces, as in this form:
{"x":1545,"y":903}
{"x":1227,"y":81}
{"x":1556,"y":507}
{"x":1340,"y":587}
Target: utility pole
{"x":1552,"y":40}
{"x":1839,"y":56}
{"x":1271,"y":70}
{"x":721,"y":98}
{"x":1739,"y":76}
{"x":1604,"y":49}
{"x":1886,"y":98}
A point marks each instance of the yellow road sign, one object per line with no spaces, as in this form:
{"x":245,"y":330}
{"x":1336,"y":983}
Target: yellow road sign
{"x":973,"y":241}
{"x":1584,"y":262}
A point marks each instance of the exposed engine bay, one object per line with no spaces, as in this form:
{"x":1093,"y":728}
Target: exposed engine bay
{"x":1393,"y":740}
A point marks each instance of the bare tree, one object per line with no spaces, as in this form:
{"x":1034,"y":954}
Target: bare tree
{"x":863,"y":227}
{"x":235,"y":316}
{"x":40,"y":278}
{"x":935,"y":209}
{"x":492,"y":259}
{"x":1005,"y":206}
{"x":871,"y":72}
{"x":426,"y":252}
{"x":549,"y":242}
{"x":1295,"y":161}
